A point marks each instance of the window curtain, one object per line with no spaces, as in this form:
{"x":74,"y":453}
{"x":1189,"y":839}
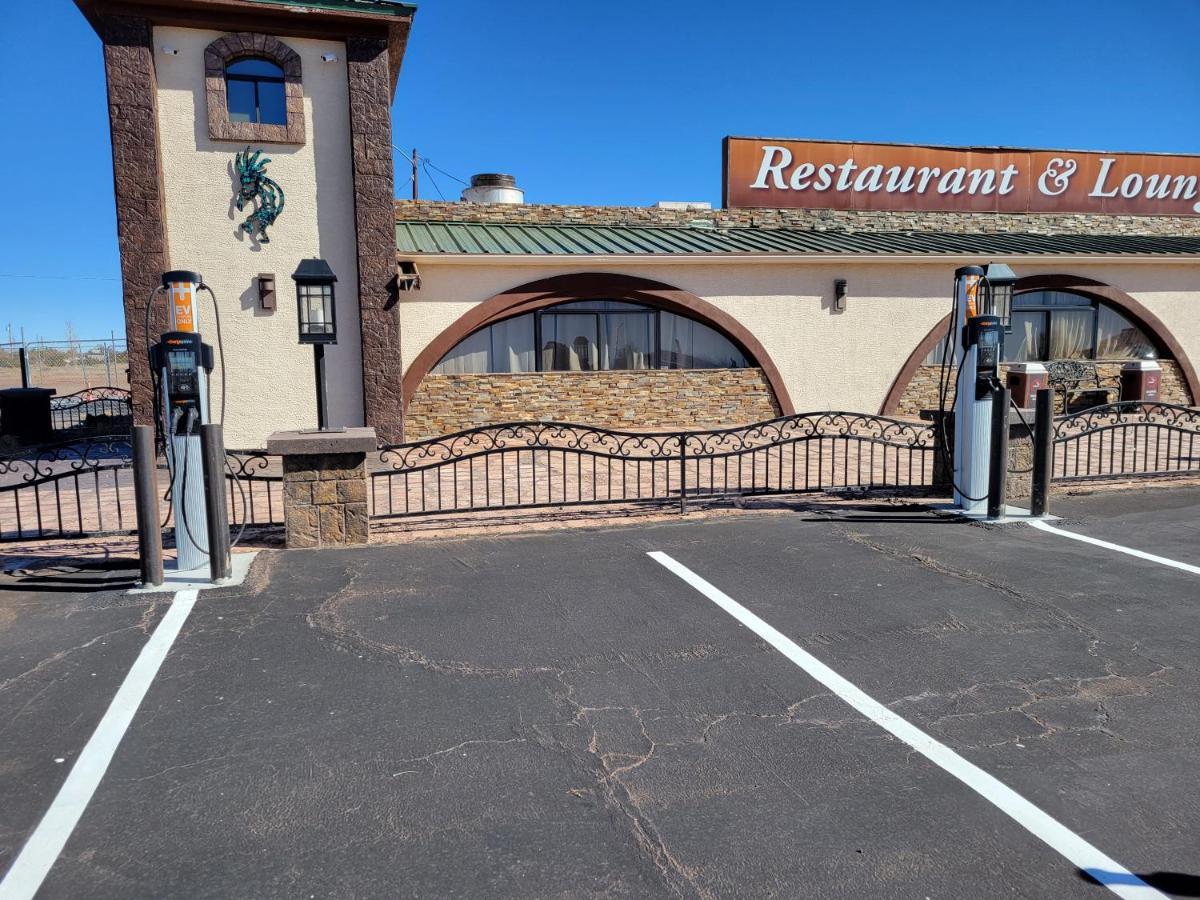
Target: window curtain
{"x":512,"y":345}
{"x":470,"y":355}
{"x":1071,"y":333}
{"x":626,"y":341}
{"x":1119,"y":338}
{"x":687,"y":344}
{"x":569,"y":343}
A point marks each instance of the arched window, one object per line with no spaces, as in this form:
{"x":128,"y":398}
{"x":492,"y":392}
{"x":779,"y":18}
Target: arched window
{"x":255,"y":92}
{"x":1049,"y":325}
{"x":1061,"y":325}
{"x":593,"y":336}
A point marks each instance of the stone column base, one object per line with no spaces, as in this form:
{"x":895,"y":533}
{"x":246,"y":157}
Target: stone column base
{"x":325,"y":486}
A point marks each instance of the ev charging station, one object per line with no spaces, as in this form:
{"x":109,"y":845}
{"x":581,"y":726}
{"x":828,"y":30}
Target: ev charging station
{"x":181,"y":363}
{"x":982,"y":303}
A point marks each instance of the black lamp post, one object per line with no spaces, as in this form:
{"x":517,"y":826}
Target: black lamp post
{"x":998,"y":280}
{"x":318,"y":319}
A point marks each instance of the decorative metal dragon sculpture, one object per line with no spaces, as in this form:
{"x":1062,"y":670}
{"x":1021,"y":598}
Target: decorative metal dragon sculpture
{"x":253,"y":183}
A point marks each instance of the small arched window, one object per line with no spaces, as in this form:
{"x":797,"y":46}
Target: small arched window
{"x":255,"y":92}
{"x":591,"y":336}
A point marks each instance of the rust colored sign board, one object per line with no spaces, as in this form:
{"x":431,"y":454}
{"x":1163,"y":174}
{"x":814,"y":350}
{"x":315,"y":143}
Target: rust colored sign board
{"x":761,"y":172}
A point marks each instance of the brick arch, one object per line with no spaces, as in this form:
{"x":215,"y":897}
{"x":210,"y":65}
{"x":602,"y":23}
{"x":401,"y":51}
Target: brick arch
{"x":1165,"y":342}
{"x":594,"y":286}
{"x":232,"y":47}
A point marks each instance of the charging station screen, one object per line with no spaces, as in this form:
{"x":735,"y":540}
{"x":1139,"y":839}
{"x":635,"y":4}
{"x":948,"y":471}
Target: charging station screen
{"x":181,"y":361}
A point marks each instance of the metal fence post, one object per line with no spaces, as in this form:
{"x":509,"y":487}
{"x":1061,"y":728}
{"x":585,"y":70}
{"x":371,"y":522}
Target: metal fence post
{"x":212,"y":454}
{"x":145,"y":491}
{"x":24,"y":360}
{"x":1043,"y":452}
{"x":998,"y":471}
{"x":683,"y":474}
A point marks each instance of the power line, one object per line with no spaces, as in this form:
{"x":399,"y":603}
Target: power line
{"x":447,"y":174}
{"x":432,"y":180}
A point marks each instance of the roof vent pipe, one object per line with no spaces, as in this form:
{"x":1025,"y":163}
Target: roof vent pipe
{"x":492,"y":187}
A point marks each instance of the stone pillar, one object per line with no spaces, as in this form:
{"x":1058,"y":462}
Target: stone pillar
{"x":325,"y":485}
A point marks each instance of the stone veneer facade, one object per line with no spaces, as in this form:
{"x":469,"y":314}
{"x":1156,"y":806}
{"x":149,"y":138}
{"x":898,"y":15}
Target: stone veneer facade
{"x":371,"y":141}
{"x":922,"y":390}
{"x":636,"y":400}
{"x":137,"y":183}
{"x":325,"y":499}
{"x":814,"y":219}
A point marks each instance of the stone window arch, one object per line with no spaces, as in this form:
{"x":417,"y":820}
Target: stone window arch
{"x":230,"y":49}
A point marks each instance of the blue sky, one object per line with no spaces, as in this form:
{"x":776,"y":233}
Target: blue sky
{"x":622,"y":102}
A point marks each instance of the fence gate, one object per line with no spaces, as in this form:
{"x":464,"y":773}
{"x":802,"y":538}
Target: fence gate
{"x":84,"y":488}
{"x":1127,"y":440}
{"x":528,"y":465}
{"x":71,"y":489}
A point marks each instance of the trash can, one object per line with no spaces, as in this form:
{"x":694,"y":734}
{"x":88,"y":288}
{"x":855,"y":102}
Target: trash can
{"x":1141,"y":380}
{"x":1025,"y":380}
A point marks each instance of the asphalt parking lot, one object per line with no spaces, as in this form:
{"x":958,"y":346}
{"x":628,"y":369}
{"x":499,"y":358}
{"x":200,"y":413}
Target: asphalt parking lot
{"x":563,"y":714}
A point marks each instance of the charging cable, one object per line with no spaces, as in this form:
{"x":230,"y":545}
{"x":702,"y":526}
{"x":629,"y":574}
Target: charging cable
{"x":187,"y":453}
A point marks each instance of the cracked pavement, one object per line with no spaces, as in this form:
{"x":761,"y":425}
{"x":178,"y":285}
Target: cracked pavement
{"x":556,"y":715}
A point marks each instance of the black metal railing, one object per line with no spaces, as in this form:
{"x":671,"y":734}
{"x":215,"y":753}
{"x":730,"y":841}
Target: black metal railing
{"x":84,"y":488}
{"x":526,"y":465}
{"x":1125,"y":440}
{"x":96,"y":411}
{"x":255,"y":487}
{"x":81,"y":488}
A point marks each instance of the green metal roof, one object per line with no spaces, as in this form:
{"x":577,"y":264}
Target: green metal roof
{"x":374,"y":7}
{"x":618,"y":240}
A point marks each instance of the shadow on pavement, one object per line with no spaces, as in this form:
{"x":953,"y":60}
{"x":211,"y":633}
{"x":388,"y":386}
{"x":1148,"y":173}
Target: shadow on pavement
{"x":108,"y":575}
{"x":1178,"y":883}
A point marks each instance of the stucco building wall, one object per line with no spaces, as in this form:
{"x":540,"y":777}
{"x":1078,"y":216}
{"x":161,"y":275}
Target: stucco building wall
{"x":271,"y":383}
{"x":827,"y":359}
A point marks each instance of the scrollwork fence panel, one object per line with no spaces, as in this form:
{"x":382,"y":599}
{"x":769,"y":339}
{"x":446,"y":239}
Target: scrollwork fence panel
{"x":84,"y":488}
{"x":254,"y":479}
{"x":1127,"y":440}
{"x":81,"y":488}
{"x":527,"y":465}
{"x":100,"y":410}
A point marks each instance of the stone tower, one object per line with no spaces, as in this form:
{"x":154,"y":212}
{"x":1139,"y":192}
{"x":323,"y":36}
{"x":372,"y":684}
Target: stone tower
{"x":308,"y":83}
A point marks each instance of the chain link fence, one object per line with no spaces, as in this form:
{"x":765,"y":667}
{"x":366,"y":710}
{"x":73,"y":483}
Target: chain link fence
{"x":67,"y":366}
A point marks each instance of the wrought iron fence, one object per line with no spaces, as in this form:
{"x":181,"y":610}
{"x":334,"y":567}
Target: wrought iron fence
{"x":84,"y":488}
{"x":69,"y":489}
{"x":526,"y":465}
{"x":101,"y":410}
{"x":255,"y":482}
{"x":1123,"y":440}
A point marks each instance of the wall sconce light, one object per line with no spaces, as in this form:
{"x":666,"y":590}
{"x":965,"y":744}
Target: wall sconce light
{"x":329,"y":57}
{"x":266,"y":290}
{"x":407,"y":276}
{"x":839,"y":295}
{"x":169,"y":50}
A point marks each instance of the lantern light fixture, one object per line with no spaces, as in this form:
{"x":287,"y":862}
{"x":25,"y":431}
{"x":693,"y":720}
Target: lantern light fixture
{"x":317,"y":315}
{"x":316,"y":307}
{"x":998,"y":281}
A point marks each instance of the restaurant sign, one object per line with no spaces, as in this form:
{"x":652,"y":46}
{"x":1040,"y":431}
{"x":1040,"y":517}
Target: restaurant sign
{"x":762,"y":172}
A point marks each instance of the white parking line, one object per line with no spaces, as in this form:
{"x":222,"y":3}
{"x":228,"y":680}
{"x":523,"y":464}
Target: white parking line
{"x":1140,"y":554}
{"x":45,"y":844}
{"x":1079,"y":852}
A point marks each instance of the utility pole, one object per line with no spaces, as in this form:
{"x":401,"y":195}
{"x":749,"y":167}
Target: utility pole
{"x":414,"y":168}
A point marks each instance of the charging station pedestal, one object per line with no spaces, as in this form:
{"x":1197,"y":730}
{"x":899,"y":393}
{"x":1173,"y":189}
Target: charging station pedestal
{"x":185,"y":362}
{"x":972,"y":416}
